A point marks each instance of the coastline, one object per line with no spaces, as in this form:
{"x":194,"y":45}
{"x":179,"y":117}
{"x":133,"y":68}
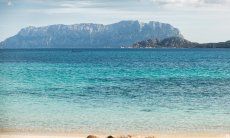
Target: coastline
{"x":33,"y":134}
{"x":29,"y":135}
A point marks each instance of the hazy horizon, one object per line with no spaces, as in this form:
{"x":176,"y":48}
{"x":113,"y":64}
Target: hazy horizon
{"x":198,"y":20}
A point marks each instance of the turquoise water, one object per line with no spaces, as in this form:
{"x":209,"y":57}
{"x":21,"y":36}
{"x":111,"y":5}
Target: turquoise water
{"x":116,"y":91}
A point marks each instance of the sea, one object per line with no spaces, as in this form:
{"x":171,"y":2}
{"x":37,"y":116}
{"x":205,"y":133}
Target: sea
{"x":115,"y":90}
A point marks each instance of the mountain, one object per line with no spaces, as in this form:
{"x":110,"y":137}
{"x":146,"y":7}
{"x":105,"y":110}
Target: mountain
{"x":177,"y":42}
{"x":89,"y":35}
{"x":171,"y":42}
{"x":215,"y":45}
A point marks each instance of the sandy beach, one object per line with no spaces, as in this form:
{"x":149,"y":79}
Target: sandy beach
{"x":75,"y":135}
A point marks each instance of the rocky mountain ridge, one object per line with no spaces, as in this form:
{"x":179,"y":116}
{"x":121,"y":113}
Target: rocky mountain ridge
{"x":89,"y":35}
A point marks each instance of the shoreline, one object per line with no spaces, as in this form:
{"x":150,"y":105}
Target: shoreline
{"x":33,"y":134}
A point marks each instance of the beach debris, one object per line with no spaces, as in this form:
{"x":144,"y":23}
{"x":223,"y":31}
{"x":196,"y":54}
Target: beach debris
{"x":91,"y":136}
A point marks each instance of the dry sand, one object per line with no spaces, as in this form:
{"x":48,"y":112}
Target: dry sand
{"x":72,"y":135}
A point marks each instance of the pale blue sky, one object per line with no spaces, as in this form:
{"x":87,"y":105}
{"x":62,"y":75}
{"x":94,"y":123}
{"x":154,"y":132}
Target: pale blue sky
{"x":198,"y":20}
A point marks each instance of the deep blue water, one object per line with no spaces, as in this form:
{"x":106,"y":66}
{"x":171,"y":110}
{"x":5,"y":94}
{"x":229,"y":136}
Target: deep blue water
{"x":115,"y":90}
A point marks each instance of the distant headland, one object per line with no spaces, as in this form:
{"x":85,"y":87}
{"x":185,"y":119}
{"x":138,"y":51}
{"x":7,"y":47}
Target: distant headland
{"x":124,"y":34}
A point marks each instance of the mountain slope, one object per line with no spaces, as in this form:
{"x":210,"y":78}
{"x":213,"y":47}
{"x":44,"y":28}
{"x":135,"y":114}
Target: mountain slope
{"x":215,"y":45}
{"x":177,"y":42}
{"x":88,"y":35}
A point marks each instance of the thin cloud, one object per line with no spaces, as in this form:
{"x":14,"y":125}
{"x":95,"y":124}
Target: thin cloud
{"x":9,"y":3}
{"x":190,"y":2}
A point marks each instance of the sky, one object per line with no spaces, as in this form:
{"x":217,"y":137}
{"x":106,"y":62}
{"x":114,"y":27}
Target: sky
{"x":198,"y":20}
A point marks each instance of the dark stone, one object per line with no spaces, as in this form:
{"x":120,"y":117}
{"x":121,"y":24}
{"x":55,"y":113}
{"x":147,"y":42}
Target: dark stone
{"x":110,"y":136}
{"x":92,"y":136}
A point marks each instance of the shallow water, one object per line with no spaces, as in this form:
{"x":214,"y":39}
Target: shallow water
{"x":116,"y":90}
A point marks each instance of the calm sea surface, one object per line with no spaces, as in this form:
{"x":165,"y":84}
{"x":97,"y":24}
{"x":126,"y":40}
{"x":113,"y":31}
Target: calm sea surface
{"x":116,"y":90}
